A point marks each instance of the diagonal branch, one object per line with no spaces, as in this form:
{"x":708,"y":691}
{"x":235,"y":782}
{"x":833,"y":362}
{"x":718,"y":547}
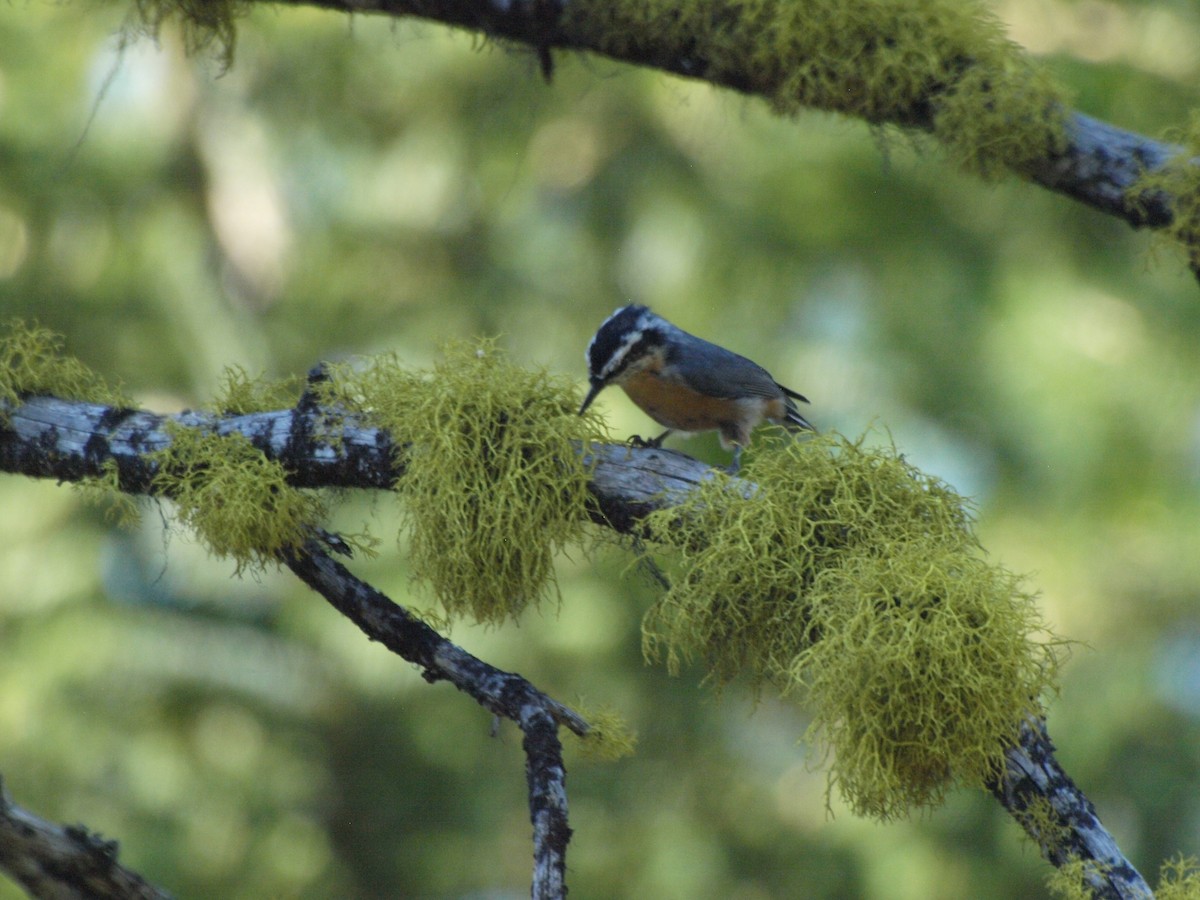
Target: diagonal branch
{"x":382,"y":620}
{"x":67,"y":440}
{"x":1058,"y":816}
{"x":1099,"y":165}
{"x":504,"y":693}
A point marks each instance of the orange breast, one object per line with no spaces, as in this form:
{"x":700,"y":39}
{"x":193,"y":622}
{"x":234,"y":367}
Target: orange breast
{"x":675,"y":406}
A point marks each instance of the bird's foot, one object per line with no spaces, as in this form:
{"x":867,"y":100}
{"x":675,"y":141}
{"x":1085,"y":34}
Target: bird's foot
{"x":653,"y":443}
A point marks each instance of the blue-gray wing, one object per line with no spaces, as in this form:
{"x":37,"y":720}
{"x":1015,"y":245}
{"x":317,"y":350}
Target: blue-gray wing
{"x":717,"y":372}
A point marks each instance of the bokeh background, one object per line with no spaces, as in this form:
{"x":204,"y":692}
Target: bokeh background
{"x":350,"y":186}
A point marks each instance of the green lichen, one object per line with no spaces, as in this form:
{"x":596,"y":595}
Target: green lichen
{"x":493,"y":485}
{"x":104,"y":490}
{"x":1073,"y":879}
{"x":1045,"y":826}
{"x":1177,"y":184}
{"x":236,"y":500}
{"x":853,"y":578}
{"x":239,"y":394}
{"x":944,"y":65}
{"x":1179,"y":879}
{"x":1076,"y":879}
{"x":33,"y":362}
{"x":609,"y":736}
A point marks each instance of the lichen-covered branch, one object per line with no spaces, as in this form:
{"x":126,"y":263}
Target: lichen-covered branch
{"x":70,"y":440}
{"x":1061,"y":820}
{"x":828,"y":54}
{"x":66,"y":862}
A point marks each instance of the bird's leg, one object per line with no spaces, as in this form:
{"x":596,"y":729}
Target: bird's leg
{"x":655,"y":443}
{"x":737,"y":460}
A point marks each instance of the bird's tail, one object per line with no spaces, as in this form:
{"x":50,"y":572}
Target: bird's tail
{"x":792,"y":418}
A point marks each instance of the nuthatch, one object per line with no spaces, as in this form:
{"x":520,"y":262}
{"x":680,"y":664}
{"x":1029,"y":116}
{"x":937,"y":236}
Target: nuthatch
{"x":684,"y":383}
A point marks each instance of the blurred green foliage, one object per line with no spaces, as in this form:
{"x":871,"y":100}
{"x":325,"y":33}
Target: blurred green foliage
{"x":358,"y":185}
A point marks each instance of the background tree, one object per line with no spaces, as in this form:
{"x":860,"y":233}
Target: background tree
{"x":389,"y":186}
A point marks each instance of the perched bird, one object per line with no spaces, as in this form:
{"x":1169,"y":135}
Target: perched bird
{"x":685,"y":383}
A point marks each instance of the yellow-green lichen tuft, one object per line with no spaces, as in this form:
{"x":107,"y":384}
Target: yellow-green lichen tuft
{"x":1179,"y":879}
{"x":609,"y":736}
{"x":493,"y":484}
{"x":33,"y":361}
{"x":944,"y":65}
{"x":1006,"y":116}
{"x":1045,"y":826}
{"x":1077,"y":879}
{"x":1177,"y":184}
{"x":236,"y":500}
{"x":852,"y":577}
{"x":1074,"y":878}
{"x":105,"y":490}
{"x":238,"y":394}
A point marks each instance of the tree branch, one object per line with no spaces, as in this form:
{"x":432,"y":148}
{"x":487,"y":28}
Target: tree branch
{"x":1052,"y":809}
{"x":67,"y":440}
{"x":64,"y":862}
{"x":49,"y":437}
{"x":504,"y":693}
{"x":1098,"y":166}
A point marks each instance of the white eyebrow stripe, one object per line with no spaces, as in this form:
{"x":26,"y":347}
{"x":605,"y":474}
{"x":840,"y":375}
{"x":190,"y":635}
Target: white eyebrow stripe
{"x":587,"y":354}
{"x":620,"y":353}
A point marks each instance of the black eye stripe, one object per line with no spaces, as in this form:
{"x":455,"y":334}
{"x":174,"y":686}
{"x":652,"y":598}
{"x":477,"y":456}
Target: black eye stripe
{"x":636,"y":351}
{"x":610,"y":342}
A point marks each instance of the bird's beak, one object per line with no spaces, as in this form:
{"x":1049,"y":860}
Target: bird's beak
{"x":597,"y":387}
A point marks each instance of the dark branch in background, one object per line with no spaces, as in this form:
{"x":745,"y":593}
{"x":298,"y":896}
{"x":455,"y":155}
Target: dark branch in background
{"x":64,"y":862}
{"x":1097,"y":168}
{"x":52,"y":438}
{"x":504,"y":693}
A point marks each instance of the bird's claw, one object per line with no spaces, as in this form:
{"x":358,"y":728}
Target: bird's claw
{"x":637,"y":440}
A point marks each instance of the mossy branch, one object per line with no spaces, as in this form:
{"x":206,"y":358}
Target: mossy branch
{"x":841,"y":571}
{"x":939,"y":67}
{"x":230,"y":473}
{"x":70,"y":440}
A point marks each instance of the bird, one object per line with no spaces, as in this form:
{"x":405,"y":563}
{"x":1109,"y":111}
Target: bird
{"x":686,"y":383}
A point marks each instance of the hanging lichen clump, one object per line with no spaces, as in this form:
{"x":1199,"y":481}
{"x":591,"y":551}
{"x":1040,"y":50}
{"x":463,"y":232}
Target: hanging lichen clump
{"x":851,"y":578}
{"x":492,"y":481}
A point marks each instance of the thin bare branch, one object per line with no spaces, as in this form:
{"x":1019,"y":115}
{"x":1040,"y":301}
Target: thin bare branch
{"x":504,"y":693}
